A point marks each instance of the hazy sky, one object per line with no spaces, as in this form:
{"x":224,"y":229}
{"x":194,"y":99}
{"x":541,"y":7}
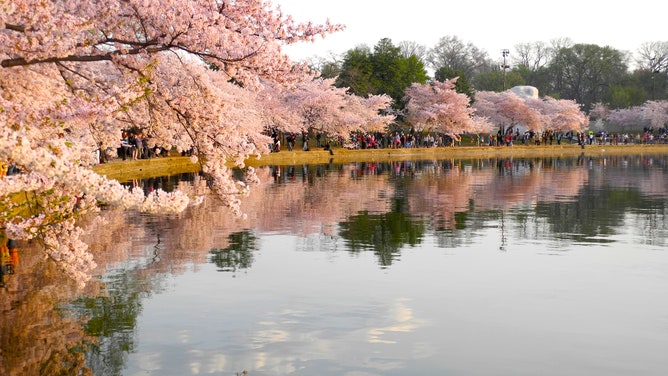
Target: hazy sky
{"x":490,"y":25}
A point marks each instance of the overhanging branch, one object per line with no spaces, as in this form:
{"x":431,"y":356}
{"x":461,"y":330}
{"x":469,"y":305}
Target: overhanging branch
{"x":17,"y":62}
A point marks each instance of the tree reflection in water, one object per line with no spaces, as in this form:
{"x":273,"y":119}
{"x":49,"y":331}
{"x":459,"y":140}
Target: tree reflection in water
{"x":36,"y":338}
{"x":238,"y":255}
{"x":385,"y":234}
{"x":378,"y":207}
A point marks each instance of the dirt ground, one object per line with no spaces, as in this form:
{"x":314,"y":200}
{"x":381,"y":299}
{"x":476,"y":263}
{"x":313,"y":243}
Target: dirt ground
{"x":145,"y":168}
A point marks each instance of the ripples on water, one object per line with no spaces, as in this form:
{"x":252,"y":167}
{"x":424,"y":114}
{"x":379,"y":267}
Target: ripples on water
{"x":550,"y":266}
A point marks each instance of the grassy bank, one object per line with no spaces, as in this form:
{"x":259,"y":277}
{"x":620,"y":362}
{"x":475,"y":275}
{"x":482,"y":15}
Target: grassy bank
{"x":145,"y":168}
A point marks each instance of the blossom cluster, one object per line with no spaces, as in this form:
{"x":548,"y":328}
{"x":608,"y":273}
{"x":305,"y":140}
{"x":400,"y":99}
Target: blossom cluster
{"x":73,"y":75}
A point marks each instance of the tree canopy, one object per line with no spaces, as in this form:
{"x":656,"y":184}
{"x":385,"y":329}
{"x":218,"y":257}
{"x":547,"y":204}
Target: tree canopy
{"x":74,"y":74}
{"x":561,"y":69}
{"x":385,"y":70}
{"x":209,"y":77}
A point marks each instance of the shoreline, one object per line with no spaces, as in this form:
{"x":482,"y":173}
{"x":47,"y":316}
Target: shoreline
{"x":124,"y":171}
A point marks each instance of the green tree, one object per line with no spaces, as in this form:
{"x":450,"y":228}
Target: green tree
{"x":539,"y":78}
{"x":393,"y":72}
{"x":386,"y":70}
{"x":624,"y":96}
{"x":493,"y":80}
{"x":330,"y":69}
{"x":414,"y":70}
{"x":462,"y":85}
{"x":585,"y":72}
{"x":653,"y":82}
{"x":357,"y":72}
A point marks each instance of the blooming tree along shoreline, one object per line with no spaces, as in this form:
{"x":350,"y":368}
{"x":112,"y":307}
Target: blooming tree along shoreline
{"x":74,"y":74}
{"x":437,"y":107}
{"x":508,"y":111}
{"x":207,"y":77}
{"x":324,"y":108}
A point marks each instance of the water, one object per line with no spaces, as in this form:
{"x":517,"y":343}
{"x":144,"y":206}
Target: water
{"x":477,"y":267}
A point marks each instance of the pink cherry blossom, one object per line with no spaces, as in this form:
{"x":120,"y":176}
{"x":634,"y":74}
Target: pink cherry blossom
{"x":74,"y":74}
{"x":507,"y":110}
{"x":436,"y":106}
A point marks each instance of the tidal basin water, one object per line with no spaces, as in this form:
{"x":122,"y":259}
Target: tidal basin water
{"x":555,"y":266}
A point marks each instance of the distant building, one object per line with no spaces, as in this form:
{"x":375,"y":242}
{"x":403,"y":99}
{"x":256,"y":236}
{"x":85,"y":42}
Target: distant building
{"x":525,"y":91}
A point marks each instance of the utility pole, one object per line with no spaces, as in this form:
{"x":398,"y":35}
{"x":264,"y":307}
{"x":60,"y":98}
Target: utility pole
{"x":654,"y":72}
{"x":505,"y":54}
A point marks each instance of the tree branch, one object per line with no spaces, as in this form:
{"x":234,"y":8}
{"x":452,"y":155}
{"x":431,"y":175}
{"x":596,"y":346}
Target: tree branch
{"x":16,"y":62}
{"x":19,"y":28}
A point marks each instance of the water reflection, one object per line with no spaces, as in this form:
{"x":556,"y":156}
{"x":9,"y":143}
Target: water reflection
{"x":36,"y":337}
{"x":580,"y":199}
{"x":297,"y":305}
{"x":166,"y":183}
{"x":384,"y":234}
{"x":238,"y":255}
{"x":9,"y":258}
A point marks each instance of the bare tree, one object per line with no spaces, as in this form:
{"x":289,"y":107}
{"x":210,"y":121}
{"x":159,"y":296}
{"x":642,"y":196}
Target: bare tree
{"x":453,"y":53}
{"x":328,"y":66}
{"x":653,"y":57}
{"x":409,"y":48}
{"x":532,"y":55}
{"x":559,"y":43}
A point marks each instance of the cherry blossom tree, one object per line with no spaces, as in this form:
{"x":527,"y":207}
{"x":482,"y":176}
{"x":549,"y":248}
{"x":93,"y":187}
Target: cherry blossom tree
{"x":656,"y":113}
{"x":372,"y":113}
{"x":597,"y":115}
{"x":74,"y":74}
{"x":626,"y":118}
{"x":334,"y":111}
{"x":507,"y":110}
{"x":652,"y":114}
{"x":599,"y":111}
{"x":438,"y":107}
{"x":559,"y":115}
{"x":276,"y":110}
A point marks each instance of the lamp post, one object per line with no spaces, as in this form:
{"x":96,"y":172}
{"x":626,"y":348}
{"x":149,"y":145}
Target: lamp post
{"x":655,"y":68}
{"x":505,"y":54}
{"x":651,"y":59}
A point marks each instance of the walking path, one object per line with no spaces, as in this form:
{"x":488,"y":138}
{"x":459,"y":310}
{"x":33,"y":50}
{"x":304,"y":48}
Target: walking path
{"x":145,"y":168}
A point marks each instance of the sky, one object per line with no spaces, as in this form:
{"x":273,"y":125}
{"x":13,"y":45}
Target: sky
{"x":490,"y":25}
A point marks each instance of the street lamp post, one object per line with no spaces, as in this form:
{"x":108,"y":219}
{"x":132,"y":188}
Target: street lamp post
{"x":505,"y":54}
{"x":654,"y":71}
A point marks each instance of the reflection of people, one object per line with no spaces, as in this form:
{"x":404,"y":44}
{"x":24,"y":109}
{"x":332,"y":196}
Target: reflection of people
{"x":4,"y":254}
{"x":3,"y":168}
{"x":13,"y":255}
{"x":4,"y":263}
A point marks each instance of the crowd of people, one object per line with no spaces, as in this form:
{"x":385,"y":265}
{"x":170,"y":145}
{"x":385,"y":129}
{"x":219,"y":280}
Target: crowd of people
{"x":132,"y":146}
{"x":413,"y":139}
{"x":291,"y":140}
